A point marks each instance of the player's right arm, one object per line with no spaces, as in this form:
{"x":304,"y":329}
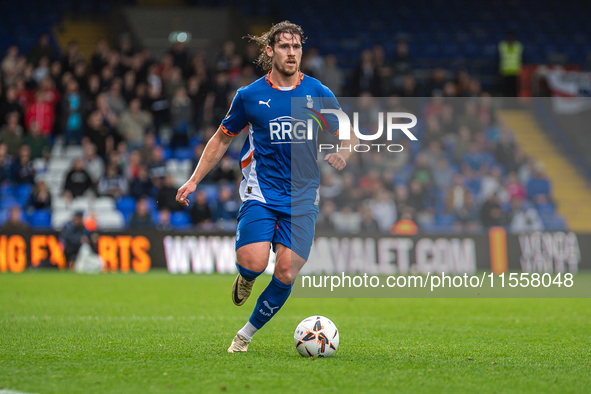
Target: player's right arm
{"x":231,"y":126}
{"x":212,"y":154}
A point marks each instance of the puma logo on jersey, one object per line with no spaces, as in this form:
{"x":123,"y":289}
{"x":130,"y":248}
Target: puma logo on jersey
{"x":266,"y":103}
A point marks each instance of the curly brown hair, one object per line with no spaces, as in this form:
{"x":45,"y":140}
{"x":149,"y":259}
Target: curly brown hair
{"x":270,"y":38}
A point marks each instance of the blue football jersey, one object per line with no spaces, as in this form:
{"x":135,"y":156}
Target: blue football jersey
{"x":279,"y":157}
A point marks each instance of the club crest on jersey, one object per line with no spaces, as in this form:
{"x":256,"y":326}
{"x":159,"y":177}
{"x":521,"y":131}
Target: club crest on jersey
{"x":310,"y":102}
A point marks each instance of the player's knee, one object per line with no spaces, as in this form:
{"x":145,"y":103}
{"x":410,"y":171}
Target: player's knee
{"x":284,"y":275}
{"x":253,"y":257}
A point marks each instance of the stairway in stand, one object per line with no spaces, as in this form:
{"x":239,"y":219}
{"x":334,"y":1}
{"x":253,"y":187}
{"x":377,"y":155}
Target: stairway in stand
{"x":570,"y":191}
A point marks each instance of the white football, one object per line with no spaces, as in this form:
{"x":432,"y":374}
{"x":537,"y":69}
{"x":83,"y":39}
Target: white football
{"x":316,"y":336}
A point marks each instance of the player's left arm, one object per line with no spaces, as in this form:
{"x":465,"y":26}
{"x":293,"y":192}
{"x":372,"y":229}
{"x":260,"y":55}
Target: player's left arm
{"x":339,"y":159}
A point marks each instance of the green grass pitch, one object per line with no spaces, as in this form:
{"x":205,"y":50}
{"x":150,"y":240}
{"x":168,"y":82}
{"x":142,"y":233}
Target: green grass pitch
{"x":159,"y":333}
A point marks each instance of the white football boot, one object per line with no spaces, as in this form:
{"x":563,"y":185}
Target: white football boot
{"x":239,"y":345}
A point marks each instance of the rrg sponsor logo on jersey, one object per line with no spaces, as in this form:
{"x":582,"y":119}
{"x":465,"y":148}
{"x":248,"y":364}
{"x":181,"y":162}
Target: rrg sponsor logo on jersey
{"x":288,"y":130}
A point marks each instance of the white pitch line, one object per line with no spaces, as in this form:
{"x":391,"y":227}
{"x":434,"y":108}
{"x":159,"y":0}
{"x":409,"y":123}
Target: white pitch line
{"x":12,"y":392}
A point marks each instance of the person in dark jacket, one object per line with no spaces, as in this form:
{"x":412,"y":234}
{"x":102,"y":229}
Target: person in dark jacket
{"x":23,"y":171}
{"x":73,"y":235}
{"x":40,"y":198}
{"x":141,"y":186}
{"x":200,"y":212}
{"x":491,"y":213}
{"x":78,"y":181}
{"x":141,"y":218}
{"x":5,"y":164}
{"x":166,"y":198}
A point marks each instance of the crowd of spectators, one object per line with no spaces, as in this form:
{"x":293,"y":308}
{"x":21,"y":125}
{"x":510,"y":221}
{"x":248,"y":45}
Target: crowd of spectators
{"x":465,"y":173}
{"x":131,"y":112}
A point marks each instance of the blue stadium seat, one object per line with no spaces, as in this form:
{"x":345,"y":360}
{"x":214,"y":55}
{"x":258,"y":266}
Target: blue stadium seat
{"x":180,"y":220}
{"x":40,"y":219}
{"x":194,"y":141}
{"x":155,"y":215}
{"x":6,"y":189}
{"x":445,"y":220}
{"x":23,"y":192}
{"x":211,"y":191}
{"x":167,"y":153}
{"x":8,"y":201}
{"x":3,"y":216}
{"x":554,"y":223}
{"x":125,"y":205}
{"x":127,"y":216}
{"x":183,"y":153}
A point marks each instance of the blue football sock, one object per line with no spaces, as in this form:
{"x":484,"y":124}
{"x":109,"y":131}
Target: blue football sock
{"x":248,"y":274}
{"x":269,"y":302}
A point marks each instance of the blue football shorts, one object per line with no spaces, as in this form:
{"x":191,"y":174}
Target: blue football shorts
{"x":259,"y":222}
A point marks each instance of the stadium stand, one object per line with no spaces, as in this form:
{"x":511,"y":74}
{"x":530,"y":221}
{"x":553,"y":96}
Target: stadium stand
{"x":183,"y":95}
